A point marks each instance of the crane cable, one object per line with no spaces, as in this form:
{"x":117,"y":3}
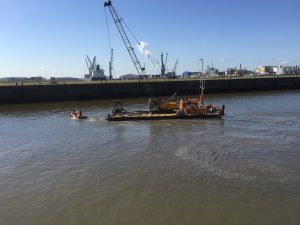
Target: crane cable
{"x":137,"y":41}
{"x":148,"y":88}
{"x":107,"y":28}
{"x":122,"y":20}
{"x":109,"y":43}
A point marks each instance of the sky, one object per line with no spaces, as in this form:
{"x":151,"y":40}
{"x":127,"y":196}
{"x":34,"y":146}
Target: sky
{"x":51,"y":37}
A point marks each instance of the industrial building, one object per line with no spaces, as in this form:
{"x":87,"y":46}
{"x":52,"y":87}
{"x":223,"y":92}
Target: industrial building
{"x":277,"y":70}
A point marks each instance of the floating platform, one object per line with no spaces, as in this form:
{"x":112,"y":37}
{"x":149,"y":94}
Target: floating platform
{"x":145,"y":115}
{"x":160,"y":109}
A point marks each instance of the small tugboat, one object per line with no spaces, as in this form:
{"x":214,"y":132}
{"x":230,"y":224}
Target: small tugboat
{"x":160,"y":110}
{"x":77,"y":115}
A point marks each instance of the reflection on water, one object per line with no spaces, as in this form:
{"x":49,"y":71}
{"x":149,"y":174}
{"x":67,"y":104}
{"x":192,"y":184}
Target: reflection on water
{"x":243,"y":169}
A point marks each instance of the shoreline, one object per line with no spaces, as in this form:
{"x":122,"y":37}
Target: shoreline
{"x":27,"y":92}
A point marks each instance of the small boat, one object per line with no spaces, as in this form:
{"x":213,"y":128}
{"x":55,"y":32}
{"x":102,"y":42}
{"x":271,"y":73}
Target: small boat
{"x":77,"y":115}
{"x":161,"y":110}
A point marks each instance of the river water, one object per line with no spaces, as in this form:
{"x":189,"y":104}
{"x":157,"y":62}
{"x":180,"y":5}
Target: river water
{"x":242,"y":169}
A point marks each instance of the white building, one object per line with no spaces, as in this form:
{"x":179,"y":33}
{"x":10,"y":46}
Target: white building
{"x":279,"y":70}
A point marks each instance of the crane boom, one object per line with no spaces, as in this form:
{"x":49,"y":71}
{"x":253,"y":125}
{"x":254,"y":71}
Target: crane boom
{"x":118,"y":22}
{"x":166,"y":60}
{"x":174,"y":69}
{"x":94,"y":61}
{"x":87,"y":64}
{"x":175,"y":66}
{"x":89,"y":59}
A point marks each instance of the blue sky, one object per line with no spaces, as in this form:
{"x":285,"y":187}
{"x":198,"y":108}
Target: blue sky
{"x":51,"y":37}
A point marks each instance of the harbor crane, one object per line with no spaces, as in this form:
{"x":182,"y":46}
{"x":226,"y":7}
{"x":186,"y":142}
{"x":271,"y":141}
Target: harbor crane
{"x":91,"y":65}
{"x":96,"y":72}
{"x":175,"y":67}
{"x":111,"y":64}
{"x":163,"y":64}
{"x":118,"y":21}
{"x":173,"y":73}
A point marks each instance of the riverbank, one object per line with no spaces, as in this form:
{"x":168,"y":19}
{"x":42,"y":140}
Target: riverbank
{"x":12,"y":93}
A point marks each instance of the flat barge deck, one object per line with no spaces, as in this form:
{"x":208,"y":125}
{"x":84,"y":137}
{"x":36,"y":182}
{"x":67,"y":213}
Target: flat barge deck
{"x":159,"y":116}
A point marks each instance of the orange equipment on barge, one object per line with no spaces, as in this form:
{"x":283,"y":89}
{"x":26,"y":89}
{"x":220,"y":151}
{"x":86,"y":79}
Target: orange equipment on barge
{"x":161,"y":110}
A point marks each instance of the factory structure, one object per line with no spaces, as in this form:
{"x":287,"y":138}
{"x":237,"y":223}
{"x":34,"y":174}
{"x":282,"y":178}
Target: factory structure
{"x":277,"y":70}
{"x":211,"y":71}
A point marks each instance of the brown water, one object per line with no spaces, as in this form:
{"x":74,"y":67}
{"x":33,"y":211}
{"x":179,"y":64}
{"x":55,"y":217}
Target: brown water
{"x":243,"y":169}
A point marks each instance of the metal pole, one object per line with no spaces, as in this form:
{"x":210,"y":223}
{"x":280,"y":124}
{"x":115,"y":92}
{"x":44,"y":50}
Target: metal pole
{"x":202,"y":66}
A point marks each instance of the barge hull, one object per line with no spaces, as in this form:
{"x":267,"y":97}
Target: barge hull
{"x":161,"y":117}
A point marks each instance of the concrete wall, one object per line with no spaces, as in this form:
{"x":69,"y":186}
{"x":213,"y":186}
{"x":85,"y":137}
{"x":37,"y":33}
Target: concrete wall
{"x":68,"y":92}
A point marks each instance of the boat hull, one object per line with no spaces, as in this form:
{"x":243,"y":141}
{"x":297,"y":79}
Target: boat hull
{"x":150,"y":116}
{"x":76,"y":116}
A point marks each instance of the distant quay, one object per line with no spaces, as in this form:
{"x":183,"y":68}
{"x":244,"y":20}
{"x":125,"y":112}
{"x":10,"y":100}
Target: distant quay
{"x":14,"y":93}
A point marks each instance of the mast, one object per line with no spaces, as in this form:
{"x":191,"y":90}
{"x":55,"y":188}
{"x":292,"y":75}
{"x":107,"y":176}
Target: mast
{"x":202,"y":87}
{"x":111,"y":64}
{"x":163,"y":66}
